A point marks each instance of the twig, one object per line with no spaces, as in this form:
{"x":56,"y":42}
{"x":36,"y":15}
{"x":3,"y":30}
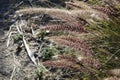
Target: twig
{"x":41,"y":65}
{"x":9,"y":30}
{"x":111,"y":56}
{"x":8,"y":41}
{"x":29,"y":52}
{"x":19,"y":28}
{"x":39,"y":51}
{"x":11,"y":77}
{"x":38,"y":62}
{"x":33,"y":33}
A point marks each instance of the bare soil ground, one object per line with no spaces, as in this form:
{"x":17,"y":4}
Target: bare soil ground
{"x":12,"y":66}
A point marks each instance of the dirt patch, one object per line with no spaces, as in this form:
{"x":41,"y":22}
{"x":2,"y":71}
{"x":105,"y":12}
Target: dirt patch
{"x":14,"y":66}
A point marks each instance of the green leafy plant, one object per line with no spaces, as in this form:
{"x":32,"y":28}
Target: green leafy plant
{"x":17,"y":38}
